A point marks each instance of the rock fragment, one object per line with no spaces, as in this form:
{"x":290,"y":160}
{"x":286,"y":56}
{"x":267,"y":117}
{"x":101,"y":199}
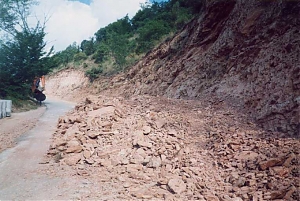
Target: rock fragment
{"x":177,"y":185}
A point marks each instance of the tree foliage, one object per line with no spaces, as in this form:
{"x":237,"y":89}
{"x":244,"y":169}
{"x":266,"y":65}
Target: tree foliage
{"x":87,"y":46}
{"x":14,"y":12}
{"x":127,"y":39}
{"x":22,"y":58}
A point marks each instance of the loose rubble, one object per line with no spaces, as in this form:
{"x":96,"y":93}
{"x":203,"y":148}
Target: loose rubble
{"x":154,"y":148}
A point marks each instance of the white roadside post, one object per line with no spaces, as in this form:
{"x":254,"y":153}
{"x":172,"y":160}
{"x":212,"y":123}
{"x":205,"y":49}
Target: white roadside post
{"x":1,"y":103}
{"x":5,"y":108}
{"x":8,"y":108}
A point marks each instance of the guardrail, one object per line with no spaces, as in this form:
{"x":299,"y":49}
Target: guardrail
{"x":5,"y":108}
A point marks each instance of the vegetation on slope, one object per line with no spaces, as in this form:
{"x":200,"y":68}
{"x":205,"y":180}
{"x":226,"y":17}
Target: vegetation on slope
{"x":120,"y":44}
{"x":112,"y":49}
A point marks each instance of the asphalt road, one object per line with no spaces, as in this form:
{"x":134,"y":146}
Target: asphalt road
{"x":21,"y":175}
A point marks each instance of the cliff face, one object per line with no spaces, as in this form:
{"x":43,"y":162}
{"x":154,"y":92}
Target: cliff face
{"x":242,"y":53}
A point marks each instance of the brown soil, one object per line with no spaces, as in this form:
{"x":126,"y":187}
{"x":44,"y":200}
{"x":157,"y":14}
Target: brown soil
{"x":211,"y":114}
{"x":233,"y":138}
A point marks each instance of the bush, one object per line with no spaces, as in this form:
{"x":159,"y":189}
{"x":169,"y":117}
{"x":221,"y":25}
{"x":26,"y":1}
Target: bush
{"x":80,"y":56}
{"x":94,"y":73}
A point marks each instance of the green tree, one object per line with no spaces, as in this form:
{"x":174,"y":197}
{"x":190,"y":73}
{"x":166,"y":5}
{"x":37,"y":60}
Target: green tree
{"x":113,"y":40}
{"x":87,"y":46}
{"x":80,"y":56}
{"x":22,"y":55}
{"x":149,"y":33}
{"x":101,"y":53}
{"x":65,"y":56}
{"x":14,"y":12}
{"x":121,"y":43}
{"x":21,"y":60}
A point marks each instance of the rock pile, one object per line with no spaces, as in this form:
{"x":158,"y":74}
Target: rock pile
{"x":259,"y":166}
{"x":245,"y":53}
{"x":161,"y":149}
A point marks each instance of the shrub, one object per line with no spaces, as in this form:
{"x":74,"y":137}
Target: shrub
{"x":80,"y":56}
{"x":94,"y":73}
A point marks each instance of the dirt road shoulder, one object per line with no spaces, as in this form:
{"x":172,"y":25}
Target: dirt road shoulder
{"x":19,"y":123}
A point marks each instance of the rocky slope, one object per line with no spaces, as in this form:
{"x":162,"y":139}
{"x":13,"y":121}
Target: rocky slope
{"x":212,"y":114}
{"x":244,"y":53}
{"x":163,"y":149}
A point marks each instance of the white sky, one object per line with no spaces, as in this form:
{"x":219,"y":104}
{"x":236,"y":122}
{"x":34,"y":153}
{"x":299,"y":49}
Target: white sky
{"x":73,"y":21}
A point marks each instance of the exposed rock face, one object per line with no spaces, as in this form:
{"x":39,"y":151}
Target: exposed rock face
{"x":242,"y":52}
{"x":237,"y":53}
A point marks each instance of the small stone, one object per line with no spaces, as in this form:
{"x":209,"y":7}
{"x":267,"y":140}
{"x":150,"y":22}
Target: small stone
{"x":246,"y":155}
{"x":280,"y":170}
{"x":245,"y":196}
{"x":163,"y":157}
{"x":105,"y":162}
{"x":142,"y":143}
{"x":240,"y":182}
{"x":136,"y":159}
{"x":154,"y":162}
{"x":237,"y":199}
{"x":232,"y":129}
{"x":160,"y":123}
{"x":288,"y":161}
{"x":93,"y":134}
{"x":146,"y":130}
{"x":87,"y":154}
{"x":271,"y":163}
{"x":172,"y":132}
{"x":120,"y":178}
{"x":60,"y":143}
{"x":127,"y":185}
{"x":176,"y":185}
{"x":74,"y":149}
{"x":134,"y":167}
{"x":89,"y":161}
{"x":73,"y":159}
{"x":211,"y":198}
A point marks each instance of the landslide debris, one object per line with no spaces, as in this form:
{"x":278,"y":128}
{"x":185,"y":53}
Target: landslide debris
{"x":163,"y":149}
{"x":245,"y":53}
{"x":237,"y":139}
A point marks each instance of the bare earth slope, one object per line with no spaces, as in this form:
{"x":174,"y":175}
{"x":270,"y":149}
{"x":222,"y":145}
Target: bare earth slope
{"x":244,"y":53}
{"x":68,"y":85}
{"x":212,"y":114}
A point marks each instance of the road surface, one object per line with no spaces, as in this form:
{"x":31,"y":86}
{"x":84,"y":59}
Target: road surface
{"x":21,"y":175}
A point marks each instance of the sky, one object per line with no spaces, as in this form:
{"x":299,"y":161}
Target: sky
{"x":69,"y":21}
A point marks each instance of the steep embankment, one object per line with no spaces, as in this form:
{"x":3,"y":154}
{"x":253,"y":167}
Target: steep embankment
{"x":237,"y":56}
{"x":67,"y":84}
{"x":241,"y":53}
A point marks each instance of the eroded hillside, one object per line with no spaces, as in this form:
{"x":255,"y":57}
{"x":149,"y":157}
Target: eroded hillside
{"x":243,"y":53}
{"x":212,"y":114}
